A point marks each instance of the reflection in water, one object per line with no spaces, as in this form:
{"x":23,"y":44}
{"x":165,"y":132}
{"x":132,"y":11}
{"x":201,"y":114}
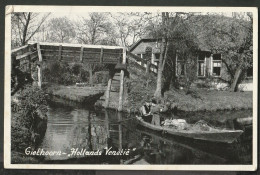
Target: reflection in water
{"x":97,"y":130}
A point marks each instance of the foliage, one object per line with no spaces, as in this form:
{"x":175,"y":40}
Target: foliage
{"x":24,"y":112}
{"x":62,"y":73}
{"x":101,"y":77}
{"x":181,"y":43}
{"x":140,"y":86}
{"x":230,"y":36}
{"x":69,"y":74}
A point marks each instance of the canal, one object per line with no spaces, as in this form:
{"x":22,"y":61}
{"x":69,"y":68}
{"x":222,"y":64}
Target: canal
{"x":89,"y":130}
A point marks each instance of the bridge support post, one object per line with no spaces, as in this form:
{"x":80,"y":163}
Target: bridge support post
{"x":39,"y":66}
{"x":108,"y":92}
{"x":121,"y":90}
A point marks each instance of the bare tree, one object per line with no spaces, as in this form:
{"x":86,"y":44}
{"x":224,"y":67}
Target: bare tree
{"x":25,"y":25}
{"x":130,"y":27}
{"x":96,"y":29}
{"x":61,"y":30}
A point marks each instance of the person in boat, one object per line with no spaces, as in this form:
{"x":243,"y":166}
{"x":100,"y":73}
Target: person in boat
{"x":146,"y":112}
{"x":156,"y":118}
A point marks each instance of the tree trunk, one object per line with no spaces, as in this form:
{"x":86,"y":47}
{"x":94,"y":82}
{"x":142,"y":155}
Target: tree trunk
{"x":237,"y":75}
{"x":234,"y":84}
{"x":26,"y":28}
{"x":158,"y":91}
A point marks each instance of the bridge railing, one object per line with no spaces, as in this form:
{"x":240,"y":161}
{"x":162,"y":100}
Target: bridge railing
{"x":135,"y":58}
{"x":25,"y":55}
{"x":29,"y":53}
{"x":80,"y":53}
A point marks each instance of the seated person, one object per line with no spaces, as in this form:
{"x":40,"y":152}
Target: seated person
{"x":145,"y":111}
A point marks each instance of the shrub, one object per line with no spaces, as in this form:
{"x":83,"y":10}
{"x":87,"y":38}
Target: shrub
{"x":24,"y":114}
{"x":65,"y":74}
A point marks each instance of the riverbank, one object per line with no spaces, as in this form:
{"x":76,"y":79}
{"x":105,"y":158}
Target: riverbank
{"x":178,"y":100}
{"x":74,"y":93}
{"x":28,"y":122}
{"x":198,"y":100}
{"x":209,"y":100}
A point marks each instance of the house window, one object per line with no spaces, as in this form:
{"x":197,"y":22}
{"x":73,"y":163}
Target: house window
{"x":156,"y":58}
{"x":201,"y":65}
{"x":249,"y":72}
{"x":141,"y":56}
{"x":216,"y":65}
{"x":180,"y":66}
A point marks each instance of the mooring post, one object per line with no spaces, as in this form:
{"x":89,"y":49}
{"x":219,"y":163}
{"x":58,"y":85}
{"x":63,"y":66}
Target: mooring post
{"x":120,"y":134}
{"x":107,"y":124}
{"x":121,"y":91}
{"x":39,"y":66}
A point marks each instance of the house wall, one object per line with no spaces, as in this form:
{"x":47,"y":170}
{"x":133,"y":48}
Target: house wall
{"x":218,"y":82}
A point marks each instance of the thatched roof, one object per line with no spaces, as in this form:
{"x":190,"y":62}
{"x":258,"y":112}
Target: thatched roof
{"x":143,"y":44}
{"x":200,"y":25}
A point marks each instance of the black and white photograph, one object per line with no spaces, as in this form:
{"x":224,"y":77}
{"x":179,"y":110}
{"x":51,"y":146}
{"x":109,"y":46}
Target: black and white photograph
{"x":133,"y":88}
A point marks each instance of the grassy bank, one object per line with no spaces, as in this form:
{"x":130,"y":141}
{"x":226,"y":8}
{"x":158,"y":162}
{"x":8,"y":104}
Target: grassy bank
{"x":209,"y":100}
{"x":200,"y":100}
{"x":143,"y":87}
{"x":74,"y":93}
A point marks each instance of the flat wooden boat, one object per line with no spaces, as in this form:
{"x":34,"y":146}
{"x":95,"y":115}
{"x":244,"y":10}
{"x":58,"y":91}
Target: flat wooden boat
{"x":213,"y":134}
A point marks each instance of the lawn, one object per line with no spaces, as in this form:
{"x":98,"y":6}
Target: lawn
{"x":74,"y":93}
{"x":209,"y":100}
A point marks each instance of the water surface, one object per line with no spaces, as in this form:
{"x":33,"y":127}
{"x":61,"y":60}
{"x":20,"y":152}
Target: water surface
{"x":91,"y":130}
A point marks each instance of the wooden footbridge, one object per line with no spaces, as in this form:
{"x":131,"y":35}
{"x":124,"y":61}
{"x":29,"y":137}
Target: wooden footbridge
{"x":74,"y":53}
{"x":41,"y":52}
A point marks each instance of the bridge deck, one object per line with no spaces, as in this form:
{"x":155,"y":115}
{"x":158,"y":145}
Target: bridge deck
{"x":70,"y":53}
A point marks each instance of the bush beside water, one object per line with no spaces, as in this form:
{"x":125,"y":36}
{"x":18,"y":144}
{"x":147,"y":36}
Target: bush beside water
{"x":69,"y":74}
{"x":29,"y":120}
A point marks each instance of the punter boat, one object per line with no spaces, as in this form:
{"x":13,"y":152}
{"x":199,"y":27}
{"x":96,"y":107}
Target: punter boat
{"x":211,"y":134}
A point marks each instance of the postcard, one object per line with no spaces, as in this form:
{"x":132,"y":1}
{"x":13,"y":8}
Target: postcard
{"x":131,"y":88}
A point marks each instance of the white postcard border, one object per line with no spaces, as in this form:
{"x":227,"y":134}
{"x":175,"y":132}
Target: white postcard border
{"x":78,"y":9}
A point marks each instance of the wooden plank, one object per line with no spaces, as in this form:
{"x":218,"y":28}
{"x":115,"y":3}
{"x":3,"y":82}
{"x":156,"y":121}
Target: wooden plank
{"x":39,"y":52}
{"x":101,"y":55}
{"x":60,"y":50}
{"x":33,"y":57}
{"x":18,"y":57}
{"x":81,"y":54}
{"x":69,"y":58}
{"x":19,"y":49}
{"x":30,"y":60}
{"x":39,"y":66}
{"x":78,"y":45}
